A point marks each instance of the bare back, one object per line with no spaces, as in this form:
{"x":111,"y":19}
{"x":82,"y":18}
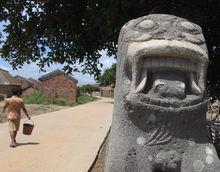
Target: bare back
{"x":13,"y":107}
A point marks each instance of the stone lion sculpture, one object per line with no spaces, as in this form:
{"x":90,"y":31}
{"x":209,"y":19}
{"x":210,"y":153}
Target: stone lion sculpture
{"x":159,"y":121}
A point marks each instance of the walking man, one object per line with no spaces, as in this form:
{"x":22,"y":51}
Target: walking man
{"x":12,"y":110}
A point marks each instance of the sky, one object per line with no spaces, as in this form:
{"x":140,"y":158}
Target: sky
{"x":32,"y":70}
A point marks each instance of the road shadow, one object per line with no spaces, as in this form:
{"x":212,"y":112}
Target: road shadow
{"x":28,"y":143}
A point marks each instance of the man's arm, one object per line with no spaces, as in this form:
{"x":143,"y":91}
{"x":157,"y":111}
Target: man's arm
{"x":26,"y":112}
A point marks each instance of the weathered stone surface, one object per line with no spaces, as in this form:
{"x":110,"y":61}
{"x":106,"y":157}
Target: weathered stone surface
{"x":159,"y":121}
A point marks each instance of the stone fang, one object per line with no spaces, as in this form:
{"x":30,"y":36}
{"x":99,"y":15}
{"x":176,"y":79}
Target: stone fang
{"x":195,"y":88}
{"x":143,"y":82}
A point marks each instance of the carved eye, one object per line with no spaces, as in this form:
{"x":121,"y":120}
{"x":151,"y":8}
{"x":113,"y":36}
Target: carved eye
{"x":147,"y":25}
{"x":188,"y":27}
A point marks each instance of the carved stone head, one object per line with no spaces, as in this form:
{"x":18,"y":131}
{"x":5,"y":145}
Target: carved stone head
{"x":162,"y":63}
{"x":159,"y":121}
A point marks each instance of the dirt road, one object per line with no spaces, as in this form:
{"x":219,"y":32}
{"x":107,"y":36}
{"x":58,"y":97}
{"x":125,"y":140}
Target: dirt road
{"x":62,"y":141}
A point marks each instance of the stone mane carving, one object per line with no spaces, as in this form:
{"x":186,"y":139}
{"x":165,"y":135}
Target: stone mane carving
{"x":159,"y":121}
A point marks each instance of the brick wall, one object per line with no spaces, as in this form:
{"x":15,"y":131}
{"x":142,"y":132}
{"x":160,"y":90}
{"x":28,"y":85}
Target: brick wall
{"x":29,"y":91}
{"x":107,"y":91}
{"x":60,"y":86}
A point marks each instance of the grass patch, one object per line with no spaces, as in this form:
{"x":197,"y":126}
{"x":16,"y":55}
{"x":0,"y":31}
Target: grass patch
{"x":38,"y":98}
{"x":62,"y":102}
{"x":85,"y":99}
{"x":59,"y":102}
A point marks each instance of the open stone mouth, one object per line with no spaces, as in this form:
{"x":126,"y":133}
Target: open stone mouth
{"x":168,"y":81}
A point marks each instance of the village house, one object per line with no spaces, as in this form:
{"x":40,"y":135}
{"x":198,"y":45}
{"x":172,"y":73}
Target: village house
{"x":29,"y":85}
{"x":107,"y":91}
{"x":7,"y":83}
{"x":59,"y":85}
{"x":104,"y":91}
{"x":23,"y":82}
{"x":36,"y":86}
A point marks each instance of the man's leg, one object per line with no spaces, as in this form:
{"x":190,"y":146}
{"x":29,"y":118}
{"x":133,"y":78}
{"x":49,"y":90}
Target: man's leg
{"x":13,"y":135}
{"x":13,"y":128}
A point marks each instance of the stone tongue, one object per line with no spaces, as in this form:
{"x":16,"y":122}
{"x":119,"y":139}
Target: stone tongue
{"x":170,"y":85}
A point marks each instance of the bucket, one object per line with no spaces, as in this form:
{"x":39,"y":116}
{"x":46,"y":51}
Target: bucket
{"x":28,"y":128}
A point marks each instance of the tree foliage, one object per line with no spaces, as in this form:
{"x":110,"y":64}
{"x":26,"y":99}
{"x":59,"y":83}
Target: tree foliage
{"x":66,"y":31}
{"x":108,"y":77}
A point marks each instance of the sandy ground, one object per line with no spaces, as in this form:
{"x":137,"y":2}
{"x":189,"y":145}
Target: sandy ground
{"x":99,"y":163}
{"x":62,"y":141}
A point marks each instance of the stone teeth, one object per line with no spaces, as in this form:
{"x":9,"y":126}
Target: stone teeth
{"x":135,"y":75}
{"x":176,"y":63}
{"x":195,"y":88}
{"x":201,"y":80}
{"x":154,"y":62}
{"x":143,"y":82}
{"x":161,"y":62}
{"x":166,"y":62}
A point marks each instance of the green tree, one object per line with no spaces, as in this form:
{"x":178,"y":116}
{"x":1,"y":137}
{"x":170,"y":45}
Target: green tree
{"x":78,"y":92}
{"x":108,"y":77}
{"x":66,"y":31}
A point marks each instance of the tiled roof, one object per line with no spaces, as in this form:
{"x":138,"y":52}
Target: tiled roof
{"x":33,"y":81}
{"x":6,"y":78}
{"x":54,"y":73}
{"x":24,"y":82}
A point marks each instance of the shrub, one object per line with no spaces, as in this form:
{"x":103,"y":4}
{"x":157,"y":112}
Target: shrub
{"x":85,"y":99}
{"x":36,"y":97}
{"x":78,"y":92}
{"x":60,"y":102}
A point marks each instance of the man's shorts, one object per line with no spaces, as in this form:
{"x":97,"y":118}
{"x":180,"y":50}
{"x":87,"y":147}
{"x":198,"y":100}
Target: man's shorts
{"x":13,"y":124}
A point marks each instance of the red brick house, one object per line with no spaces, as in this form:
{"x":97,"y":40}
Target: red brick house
{"x":107,"y":91}
{"x":59,"y":85}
